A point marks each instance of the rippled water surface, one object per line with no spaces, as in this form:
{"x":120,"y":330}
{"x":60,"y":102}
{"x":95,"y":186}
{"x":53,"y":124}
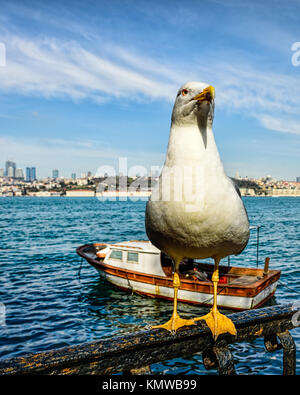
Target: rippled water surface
{"x":49,"y":306}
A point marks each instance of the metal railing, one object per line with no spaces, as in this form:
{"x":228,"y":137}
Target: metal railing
{"x":134,"y":351}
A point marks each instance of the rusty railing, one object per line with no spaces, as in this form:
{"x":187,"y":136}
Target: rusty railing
{"x":129,"y":352}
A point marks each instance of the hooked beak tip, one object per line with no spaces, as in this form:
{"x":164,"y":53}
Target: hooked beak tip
{"x":208,"y":94}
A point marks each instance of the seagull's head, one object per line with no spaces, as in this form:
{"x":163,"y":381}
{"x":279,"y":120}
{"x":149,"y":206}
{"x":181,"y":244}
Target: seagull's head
{"x":194,"y":101}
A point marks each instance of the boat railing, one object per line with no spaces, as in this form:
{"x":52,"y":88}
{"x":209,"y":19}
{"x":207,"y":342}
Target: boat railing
{"x":257,"y":228}
{"x":130,"y":353}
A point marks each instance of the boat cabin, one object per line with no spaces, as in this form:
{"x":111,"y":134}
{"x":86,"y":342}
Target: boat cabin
{"x":137,"y":255}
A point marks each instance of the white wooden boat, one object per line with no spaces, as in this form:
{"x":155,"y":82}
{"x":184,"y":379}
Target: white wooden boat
{"x":139,"y":266}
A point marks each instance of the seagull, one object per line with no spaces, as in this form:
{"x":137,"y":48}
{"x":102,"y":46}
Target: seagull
{"x":195,"y":210}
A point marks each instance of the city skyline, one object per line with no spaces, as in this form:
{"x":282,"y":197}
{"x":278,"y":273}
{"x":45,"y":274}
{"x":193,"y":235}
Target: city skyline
{"x":30,"y":173}
{"x":85,"y":85}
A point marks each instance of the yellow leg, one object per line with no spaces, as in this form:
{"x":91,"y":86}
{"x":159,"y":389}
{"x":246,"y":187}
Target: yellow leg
{"x":175,"y":322}
{"x":217,"y":322}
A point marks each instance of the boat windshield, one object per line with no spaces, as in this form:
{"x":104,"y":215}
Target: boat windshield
{"x":116,"y":254}
{"x":133,"y":257}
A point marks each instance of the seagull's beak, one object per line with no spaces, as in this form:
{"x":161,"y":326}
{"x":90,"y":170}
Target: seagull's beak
{"x":208,"y":94}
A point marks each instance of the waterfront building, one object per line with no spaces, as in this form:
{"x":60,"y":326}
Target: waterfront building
{"x":30,"y":173}
{"x":80,"y":193}
{"x":10,"y":172}
{"x":10,"y":164}
{"x":19,"y":173}
{"x":33,"y":173}
{"x":55,"y":173}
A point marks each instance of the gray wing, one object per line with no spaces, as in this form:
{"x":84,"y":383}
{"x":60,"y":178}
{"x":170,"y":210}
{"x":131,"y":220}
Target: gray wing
{"x":236,"y":188}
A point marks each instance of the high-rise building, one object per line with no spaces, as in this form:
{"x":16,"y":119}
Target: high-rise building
{"x":2,"y":172}
{"x":73,"y":176}
{"x":33,"y":173}
{"x":55,"y":173}
{"x":297,"y":179}
{"x":10,"y":172}
{"x":19,"y":173}
{"x":9,"y":164}
{"x":30,"y":173}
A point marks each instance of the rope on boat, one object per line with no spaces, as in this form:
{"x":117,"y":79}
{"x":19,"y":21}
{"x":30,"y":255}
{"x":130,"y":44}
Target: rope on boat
{"x":212,"y":296}
{"x":129,"y":285}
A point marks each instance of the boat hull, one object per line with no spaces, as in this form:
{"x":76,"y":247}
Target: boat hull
{"x":194,"y":297}
{"x":235,"y":297}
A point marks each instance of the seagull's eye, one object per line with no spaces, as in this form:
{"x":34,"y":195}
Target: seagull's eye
{"x":184,"y":92}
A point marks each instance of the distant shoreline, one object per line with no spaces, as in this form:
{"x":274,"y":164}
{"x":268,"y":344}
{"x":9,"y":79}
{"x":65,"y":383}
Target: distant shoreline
{"x":126,"y":195}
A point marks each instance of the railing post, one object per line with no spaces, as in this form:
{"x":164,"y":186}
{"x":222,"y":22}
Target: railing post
{"x":289,"y":353}
{"x":289,"y":350}
{"x":220,"y":357}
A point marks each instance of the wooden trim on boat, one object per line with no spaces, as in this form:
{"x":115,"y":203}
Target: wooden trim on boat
{"x":206,"y":287}
{"x":151,"y":295}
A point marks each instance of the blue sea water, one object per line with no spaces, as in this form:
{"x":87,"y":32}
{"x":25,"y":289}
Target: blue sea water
{"x":48,"y":305}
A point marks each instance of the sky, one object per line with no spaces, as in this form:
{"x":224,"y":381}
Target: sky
{"x":83,"y":84}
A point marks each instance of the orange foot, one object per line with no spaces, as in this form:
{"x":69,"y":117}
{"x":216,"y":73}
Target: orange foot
{"x":218,"y":323}
{"x":174,"y":323}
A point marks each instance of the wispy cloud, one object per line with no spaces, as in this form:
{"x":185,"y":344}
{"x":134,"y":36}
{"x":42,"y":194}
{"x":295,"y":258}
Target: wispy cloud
{"x":280,"y":125}
{"x":54,"y":68}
